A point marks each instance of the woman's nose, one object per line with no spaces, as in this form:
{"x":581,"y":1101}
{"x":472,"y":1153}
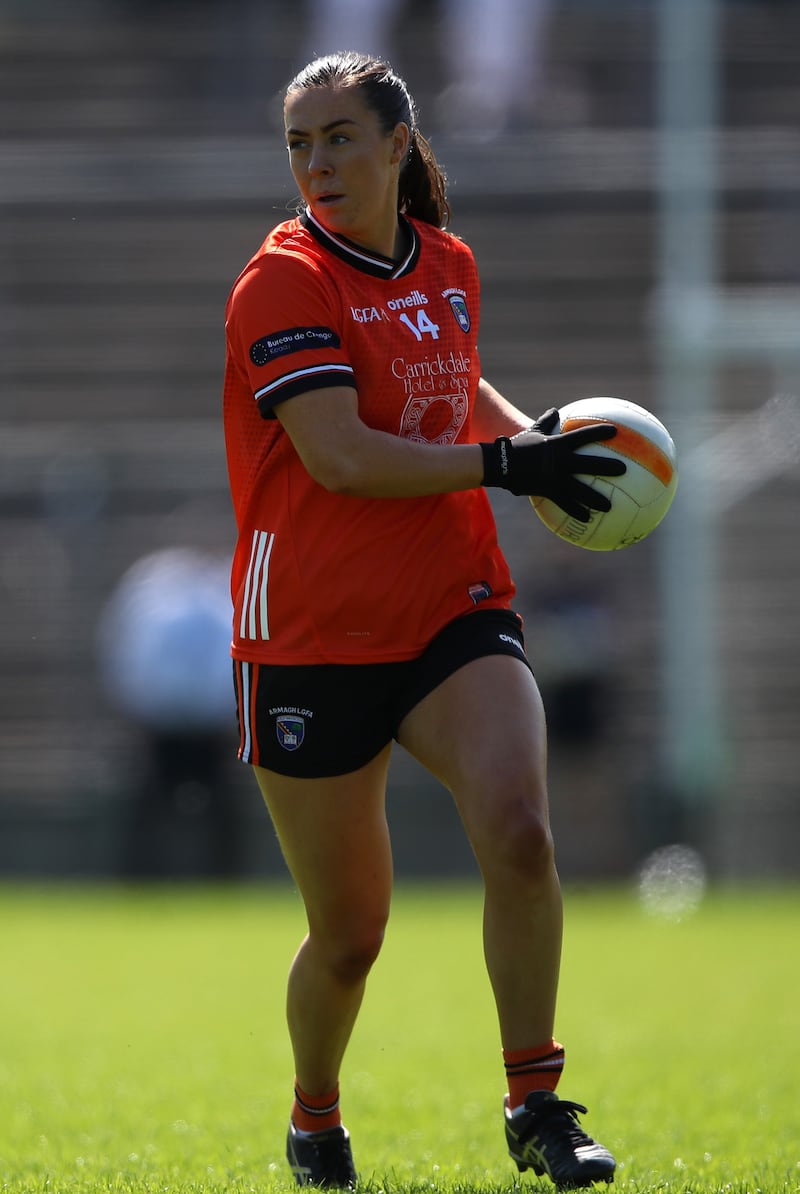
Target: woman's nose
{"x":318,"y":161}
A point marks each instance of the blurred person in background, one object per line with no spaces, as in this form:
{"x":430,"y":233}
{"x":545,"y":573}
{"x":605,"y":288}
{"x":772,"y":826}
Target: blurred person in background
{"x":372,"y":601}
{"x":492,"y":54}
{"x":164,"y":660}
{"x":493,"y":57}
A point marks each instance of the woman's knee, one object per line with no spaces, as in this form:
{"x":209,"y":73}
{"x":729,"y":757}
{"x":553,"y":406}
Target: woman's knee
{"x":512,"y":835}
{"x":531,"y":845}
{"x":350,"y":955}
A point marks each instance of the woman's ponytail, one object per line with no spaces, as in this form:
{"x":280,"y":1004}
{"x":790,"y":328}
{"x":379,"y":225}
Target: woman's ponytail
{"x":423,"y":184}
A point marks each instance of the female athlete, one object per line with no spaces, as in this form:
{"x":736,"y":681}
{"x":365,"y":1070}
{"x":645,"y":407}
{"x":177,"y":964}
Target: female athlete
{"x":372,"y":602}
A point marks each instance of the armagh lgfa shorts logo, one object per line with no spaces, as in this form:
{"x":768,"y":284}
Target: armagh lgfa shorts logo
{"x":291,"y":731}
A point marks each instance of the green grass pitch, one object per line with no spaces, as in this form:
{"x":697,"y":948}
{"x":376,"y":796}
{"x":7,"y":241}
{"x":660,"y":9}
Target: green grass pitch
{"x":143,"y":1048}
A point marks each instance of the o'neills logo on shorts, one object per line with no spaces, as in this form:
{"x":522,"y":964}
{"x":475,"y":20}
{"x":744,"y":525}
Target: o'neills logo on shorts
{"x":290,"y":726}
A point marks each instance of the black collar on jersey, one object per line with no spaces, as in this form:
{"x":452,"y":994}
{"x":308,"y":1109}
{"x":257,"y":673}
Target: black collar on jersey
{"x":374,"y":264}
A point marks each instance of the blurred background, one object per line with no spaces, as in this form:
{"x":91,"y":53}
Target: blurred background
{"x":628,"y":175}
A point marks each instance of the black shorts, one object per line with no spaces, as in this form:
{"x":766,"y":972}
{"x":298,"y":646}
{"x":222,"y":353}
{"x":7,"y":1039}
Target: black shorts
{"x":330,"y":719}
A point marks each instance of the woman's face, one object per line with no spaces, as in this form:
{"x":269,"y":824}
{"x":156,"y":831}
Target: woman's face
{"x":345,"y":165}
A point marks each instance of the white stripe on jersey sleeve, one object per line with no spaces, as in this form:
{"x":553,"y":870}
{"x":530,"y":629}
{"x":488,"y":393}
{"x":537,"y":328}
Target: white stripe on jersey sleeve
{"x":288,"y":378}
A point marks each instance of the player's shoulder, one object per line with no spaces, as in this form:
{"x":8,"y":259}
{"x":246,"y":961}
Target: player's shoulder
{"x":287,"y":257}
{"x":289,"y":240}
{"x":439,"y":245}
{"x":441,"y":238}
{"x":288,"y":247}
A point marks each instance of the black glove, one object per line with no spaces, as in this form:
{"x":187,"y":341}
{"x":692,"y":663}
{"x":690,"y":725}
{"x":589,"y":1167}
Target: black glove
{"x":546,"y":423}
{"x":538,"y":464}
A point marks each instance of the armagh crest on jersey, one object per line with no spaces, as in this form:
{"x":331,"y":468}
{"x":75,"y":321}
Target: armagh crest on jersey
{"x":320,"y":577}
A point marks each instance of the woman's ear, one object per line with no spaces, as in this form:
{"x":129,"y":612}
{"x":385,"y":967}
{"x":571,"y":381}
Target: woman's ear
{"x":401,"y":138}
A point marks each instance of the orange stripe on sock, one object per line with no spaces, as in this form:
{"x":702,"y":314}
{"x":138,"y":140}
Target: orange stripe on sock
{"x":316,"y":1113}
{"x":538,"y":1068}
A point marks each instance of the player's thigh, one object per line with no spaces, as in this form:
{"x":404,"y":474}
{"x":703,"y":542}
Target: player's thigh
{"x":335,"y":840}
{"x":482,"y":732}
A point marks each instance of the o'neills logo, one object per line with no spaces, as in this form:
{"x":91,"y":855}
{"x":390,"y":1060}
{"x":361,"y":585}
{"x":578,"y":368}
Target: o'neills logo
{"x":415,"y":299}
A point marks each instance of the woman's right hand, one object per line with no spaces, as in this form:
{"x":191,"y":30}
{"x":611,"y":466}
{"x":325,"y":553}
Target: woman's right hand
{"x":537,"y":463}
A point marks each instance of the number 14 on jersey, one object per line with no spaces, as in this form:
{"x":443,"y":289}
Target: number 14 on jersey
{"x":424,"y":325}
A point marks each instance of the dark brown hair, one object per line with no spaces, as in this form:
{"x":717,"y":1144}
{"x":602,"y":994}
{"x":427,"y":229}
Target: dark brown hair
{"x":423,"y":183}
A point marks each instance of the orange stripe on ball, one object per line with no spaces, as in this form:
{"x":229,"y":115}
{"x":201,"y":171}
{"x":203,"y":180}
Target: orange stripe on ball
{"x":632,"y":444}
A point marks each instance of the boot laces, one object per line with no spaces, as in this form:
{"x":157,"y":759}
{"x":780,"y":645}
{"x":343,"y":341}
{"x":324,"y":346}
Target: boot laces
{"x":559,"y":1112}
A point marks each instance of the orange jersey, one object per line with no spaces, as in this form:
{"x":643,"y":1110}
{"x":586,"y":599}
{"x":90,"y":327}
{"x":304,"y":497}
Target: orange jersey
{"x":320,"y":577}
